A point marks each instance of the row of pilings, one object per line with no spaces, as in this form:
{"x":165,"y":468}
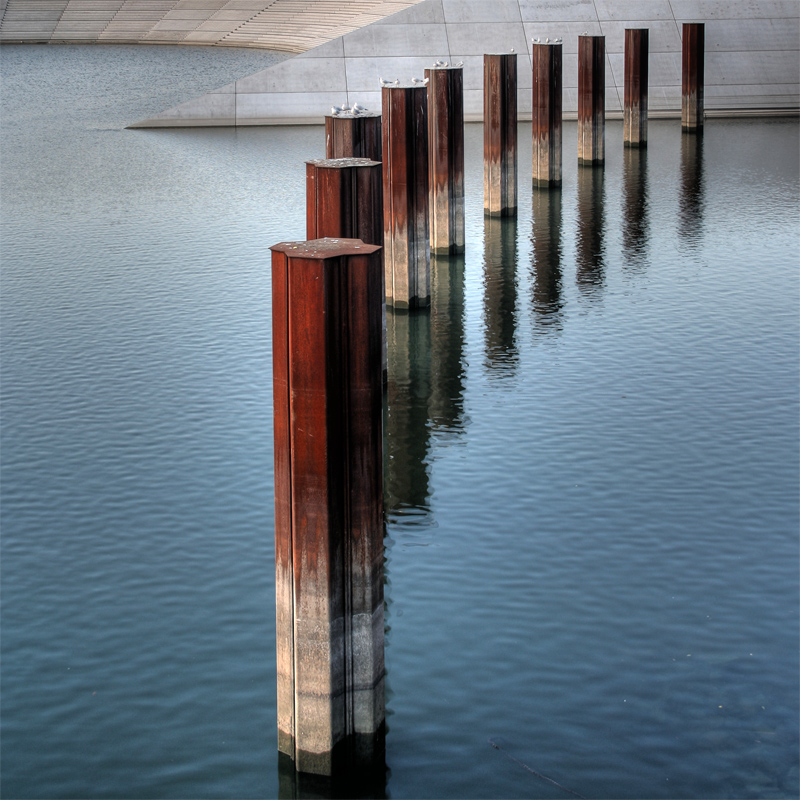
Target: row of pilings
{"x":388,"y":194}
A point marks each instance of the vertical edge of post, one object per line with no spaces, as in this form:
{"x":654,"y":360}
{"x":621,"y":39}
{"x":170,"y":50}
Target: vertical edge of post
{"x":637,"y":50}
{"x":365,"y":460}
{"x":284,"y":576}
{"x":421,"y":245}
{"x":693,"y":76}
{"x":546,"y":107}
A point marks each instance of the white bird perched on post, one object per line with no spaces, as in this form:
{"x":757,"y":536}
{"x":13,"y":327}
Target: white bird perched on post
{"x":547,"y":41}
{"x":384,"y":83}
{"x":335,"y":111}
{"x":357,"y":109}
{"x":418,"y":81}
{"x":397,"y":81}
{"x":460,"y":64}
{"x":536,"y":41}
{"x":512,"y":50}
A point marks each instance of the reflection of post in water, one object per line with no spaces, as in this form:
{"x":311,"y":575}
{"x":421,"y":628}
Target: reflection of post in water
{"x":500,"y":292}
{"x":406,"y":430}
{"x":590,"y":228}
{"x":355,"y":783}
{"x":547,"y":301}
{"x":447,"y":343}
{"x":691,"y":202}
{"x":635,"y":206}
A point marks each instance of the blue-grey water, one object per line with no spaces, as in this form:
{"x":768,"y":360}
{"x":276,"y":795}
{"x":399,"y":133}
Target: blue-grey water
{"x":592,"y":458}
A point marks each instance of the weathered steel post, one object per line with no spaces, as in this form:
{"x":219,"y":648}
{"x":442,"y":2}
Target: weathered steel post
{"x":591,"y":99}
{"x":547,"y":81}
{"x":500,"y":134}
{"x":637,"y":55}
{"x":693,"y":76}
{"x":326,"y":322}
{"x":353,"y":135}
{"x":344,"y":200}
{"x":446,"y":158}
{"x":407,"y":253}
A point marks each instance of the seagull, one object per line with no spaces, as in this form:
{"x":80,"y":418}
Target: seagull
{"x":418,"y":80}
{"x":512,"y":49}
{"x":439,"y":64}
{"x":384,"y":83}
{"x":335,"y":111}
{"x":397,"y":81}
{"x":345,"y":109}
{"x":460,"y":64}
{"x":536,"y":41}
{"x":559,"y":40}
{"x":547,"y":41}
{"x":357,"y":109}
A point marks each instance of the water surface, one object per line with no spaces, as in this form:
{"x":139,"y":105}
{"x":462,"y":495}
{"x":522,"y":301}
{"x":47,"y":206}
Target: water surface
{"x":592,"y":459}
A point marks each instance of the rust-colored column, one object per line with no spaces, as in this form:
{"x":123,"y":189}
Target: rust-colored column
{"x":547,"y":61}
{"x":326,"y":322}
{"x":693,"y":76}
{"x":637,"y":57}
{"x":500,"y":134}
{"x":591,"y":99}
{"x":446,"y":158}
{"x":353,"y":135}
{"x":344,"y":200}
{"x":407,"y":253}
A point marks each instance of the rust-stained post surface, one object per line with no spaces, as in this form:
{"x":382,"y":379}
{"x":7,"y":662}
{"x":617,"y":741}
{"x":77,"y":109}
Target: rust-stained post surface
{"x":500,"y":134}
{"x":326,"y":320}
{"x":637,"y":54}
{"x":407,"y":249}
{"x":446,"y":158}
{"x":546,"y":105}
{"x":353,"y":135}
{"x":344,"y":200}
{"x":693,"y":76}
{"x":591,"y":99}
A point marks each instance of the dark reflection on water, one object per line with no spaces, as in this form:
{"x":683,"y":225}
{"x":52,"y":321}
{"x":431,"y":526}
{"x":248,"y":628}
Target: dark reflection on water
{"x":635,"y":210}
{"x":354,"y":784}
{"x":406,"y":428}
{"x":690,"y":223}
{"x":447,"y":344}
{"x":500,"y":293}
{"x":591,"y":231}
{"x":546,"y":261}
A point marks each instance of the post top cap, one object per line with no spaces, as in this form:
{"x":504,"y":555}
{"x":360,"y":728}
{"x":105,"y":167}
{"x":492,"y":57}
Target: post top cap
{"x":353,"y":114}
{"x":342,"y":163}
{"x":410,"y":85}
{"x":325,"y":248}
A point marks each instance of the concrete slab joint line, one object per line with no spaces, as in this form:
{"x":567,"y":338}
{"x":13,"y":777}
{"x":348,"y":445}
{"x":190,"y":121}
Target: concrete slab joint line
{"x":744,"y":61}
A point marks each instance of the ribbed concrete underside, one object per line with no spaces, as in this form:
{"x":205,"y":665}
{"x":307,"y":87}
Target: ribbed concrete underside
{"x":291,"y":25}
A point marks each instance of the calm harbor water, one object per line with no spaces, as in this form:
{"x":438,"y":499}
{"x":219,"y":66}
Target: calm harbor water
{"x":591,"y":477}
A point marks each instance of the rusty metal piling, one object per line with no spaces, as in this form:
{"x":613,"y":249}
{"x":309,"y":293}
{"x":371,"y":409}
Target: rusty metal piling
{"x":637,"y":56}
{"x":407,"y":254}
{"x":446,"y":158}
{"x":326,"y":321}
{"x":693,"y":76}
{"x":546,"y":105}
{"x":591,"y":100}
{"x":500,"y":134}
{"x":353,"y":135}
